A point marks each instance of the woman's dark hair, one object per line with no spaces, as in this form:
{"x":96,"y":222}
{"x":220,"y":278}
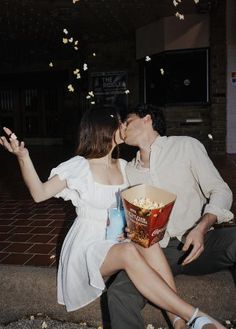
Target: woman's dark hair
{"x":96,"y":131}
{"x":157,"y":116}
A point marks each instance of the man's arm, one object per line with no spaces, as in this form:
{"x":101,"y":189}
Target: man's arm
{"x":211,"y":183}
{"x":219,"y":198}
{"x":196,"y":237}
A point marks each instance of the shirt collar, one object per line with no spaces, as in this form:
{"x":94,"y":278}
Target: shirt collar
{"x":159,"y":142}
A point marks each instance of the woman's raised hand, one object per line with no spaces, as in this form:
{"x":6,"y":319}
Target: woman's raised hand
{"x":12,"y":144}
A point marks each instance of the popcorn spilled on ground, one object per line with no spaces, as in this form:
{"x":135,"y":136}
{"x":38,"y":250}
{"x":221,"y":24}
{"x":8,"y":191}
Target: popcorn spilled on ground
{"x":39,"y":321}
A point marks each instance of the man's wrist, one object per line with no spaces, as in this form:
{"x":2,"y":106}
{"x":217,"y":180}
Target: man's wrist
{"x":206,"y":222}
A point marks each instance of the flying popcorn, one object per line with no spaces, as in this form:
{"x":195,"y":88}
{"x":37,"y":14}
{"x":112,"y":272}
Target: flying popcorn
{"x":176,"y":2}
{"x":71,"y":40}
{"x":76,"y":48}
{"x":94,"y":54}
{"x":74,"y":1}
{"x":162,"y":71}
{"x":180,"y":16}
{"x":51,"y":64}
{"x":76,"y":71}
{"x":147,"y":59}
{"x":210,"y":136}
{"x":93,"y":102}
{"x":65,"y":31}
{"x":65,"y":40}
{"x":70,"y":88}
{"x":90,"y":95}
{"x":127,"y":91}
{"x":85,"y":67}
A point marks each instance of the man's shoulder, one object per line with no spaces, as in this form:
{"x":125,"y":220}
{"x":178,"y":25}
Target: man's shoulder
{"x":182,"y":140}
{"x":170,"y":142}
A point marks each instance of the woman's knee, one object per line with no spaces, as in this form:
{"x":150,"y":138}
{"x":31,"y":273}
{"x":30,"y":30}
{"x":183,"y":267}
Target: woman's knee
{"x":130,"y":253}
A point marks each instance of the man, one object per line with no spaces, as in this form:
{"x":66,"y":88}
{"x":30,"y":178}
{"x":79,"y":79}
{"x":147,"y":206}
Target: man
{"x":180,"y":165}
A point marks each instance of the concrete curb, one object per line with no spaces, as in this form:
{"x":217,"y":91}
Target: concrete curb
{"x":27,"y":290}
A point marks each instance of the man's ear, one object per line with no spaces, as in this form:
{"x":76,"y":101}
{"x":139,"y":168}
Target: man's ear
{"x":147,"y":118}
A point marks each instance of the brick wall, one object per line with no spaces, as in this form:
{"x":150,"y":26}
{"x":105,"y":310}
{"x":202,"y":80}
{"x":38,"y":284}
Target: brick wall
{"x":218,"y":78}
{"x":231,"y":69}
{"x":213,"y":116}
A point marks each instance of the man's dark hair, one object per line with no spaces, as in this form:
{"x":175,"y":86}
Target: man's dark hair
{"x":157,"y":116}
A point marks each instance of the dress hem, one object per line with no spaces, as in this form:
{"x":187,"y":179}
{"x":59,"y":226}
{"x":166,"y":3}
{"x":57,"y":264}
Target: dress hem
{"x":81,"y":306}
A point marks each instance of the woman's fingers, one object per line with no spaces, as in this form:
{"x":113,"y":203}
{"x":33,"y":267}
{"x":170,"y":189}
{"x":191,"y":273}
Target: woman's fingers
{"x":13,"y":136}
{"x":14,"y":142}
{"x":6,"y":144}
{"x":10,"y":134}
{"x":11,"y":143}
{"x":22,"y":145}
{"x":7,"y":131}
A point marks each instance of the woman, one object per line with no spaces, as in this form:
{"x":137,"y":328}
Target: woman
{"x":91,"y":180}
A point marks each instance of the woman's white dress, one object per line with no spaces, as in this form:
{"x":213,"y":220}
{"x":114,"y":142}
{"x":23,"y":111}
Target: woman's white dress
{"x":85,"y":246}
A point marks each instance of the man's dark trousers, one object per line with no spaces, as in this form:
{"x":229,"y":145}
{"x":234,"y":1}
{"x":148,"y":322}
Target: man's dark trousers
{"x":125,"y":302}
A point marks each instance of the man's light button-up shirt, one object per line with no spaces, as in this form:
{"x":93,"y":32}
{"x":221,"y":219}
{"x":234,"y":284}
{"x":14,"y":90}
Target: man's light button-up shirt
{"x":180,"y":165}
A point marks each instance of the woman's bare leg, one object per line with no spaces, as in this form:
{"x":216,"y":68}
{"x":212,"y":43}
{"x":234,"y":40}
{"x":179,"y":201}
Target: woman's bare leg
{"x":156,"y":259}
{"x":126,"y":257}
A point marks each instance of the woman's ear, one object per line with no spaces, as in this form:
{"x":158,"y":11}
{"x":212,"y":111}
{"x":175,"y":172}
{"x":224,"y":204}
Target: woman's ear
{"x":117,"y":138}
{"x":122,"y":131}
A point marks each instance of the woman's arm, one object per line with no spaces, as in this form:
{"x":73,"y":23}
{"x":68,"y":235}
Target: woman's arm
{"x":39,"y":191}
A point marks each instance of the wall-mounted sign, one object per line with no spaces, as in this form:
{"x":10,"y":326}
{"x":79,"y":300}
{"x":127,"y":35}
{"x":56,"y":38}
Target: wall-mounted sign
{"x":109,"y":88}
{"x":233,"y":78}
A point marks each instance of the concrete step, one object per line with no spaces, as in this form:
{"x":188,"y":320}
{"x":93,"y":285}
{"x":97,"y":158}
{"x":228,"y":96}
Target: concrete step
{"x":26,"y":290}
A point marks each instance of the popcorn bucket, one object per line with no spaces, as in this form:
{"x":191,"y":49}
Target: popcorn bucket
{"x":147,"y":225}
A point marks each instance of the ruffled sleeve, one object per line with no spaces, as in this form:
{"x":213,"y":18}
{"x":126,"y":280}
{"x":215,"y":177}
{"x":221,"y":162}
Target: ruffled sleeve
{"x":75,"y":171}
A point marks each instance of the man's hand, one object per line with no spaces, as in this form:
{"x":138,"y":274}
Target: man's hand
{"x":195,"y":237}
